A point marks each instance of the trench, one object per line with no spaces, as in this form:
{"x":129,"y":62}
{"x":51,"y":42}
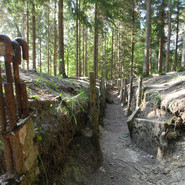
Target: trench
{"x":122,"y":161}
{"x":126,"y":164}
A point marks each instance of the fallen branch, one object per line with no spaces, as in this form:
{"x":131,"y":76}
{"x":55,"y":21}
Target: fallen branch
{"x":131,"y":165}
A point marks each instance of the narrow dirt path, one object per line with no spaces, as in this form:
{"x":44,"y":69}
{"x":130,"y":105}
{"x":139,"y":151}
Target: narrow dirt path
{"x":123,"y":164}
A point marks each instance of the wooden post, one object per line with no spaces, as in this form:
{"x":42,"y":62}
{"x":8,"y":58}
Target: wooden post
{"x":119,"y":85}
{"x":125,"y":92}
{"x":95,"y":116}
{"x":129,"y":97}
{"x":139,"y":95}
{"x":101,"y":99}
{"x":121,"y":90}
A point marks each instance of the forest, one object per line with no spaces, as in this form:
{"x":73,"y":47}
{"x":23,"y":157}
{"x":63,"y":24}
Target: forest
{"x":99,"y":97}
{"x":116,"y":39}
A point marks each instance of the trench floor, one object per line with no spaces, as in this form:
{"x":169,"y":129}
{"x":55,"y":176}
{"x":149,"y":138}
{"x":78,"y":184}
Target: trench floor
{"x":125,"y":164}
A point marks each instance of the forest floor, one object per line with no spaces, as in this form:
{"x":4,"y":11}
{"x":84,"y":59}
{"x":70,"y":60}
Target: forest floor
{"x":125,"y":164}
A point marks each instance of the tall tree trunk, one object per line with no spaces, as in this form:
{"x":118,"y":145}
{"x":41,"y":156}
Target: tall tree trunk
{"x":40,"y":55}
{"x":28,"y":31}
{"x":169,"y":37}
{"x":150,"y":60}
{"x":106,"y":64}
{"x":55,"y":42}
{"x":147,"y":39}
{"x":86,"y":72}
{"x":77,"y":74}
{"x":83,"y":58}
{"x":161,"y":38}
{"x":183,"y":51}
{"x":122,"y":56}
{"x":118,"y":55}
{"x":132,"y":38}
{"x":34,"y":36}
{"x":48,"y":40}
{"x":177,"y":38}
{"x":23,"y":36}
{"x":112,"y":54}
{"x":96,"y":30}
{"x":79,"y":47}
{"x":61,"y":40}
{"x":67,"y":62}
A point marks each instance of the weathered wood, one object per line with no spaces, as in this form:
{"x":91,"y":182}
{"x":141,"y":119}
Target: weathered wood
{"x":139,"y":95}
{"x":94,"y":105}
{"x":119,"y":85}
{"x":2,"y":49}
{"x":124,"y":92}
{"x":130,"y":93}
{"x":102,"y":99}
{"x":95,"y":116}
{"x":121,"y":90}
{"x":130,"y":120}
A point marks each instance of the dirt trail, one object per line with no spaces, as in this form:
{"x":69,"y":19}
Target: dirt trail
{"x":123,"y":164}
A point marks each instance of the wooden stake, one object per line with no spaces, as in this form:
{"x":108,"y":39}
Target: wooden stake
{"x":139,"y":96}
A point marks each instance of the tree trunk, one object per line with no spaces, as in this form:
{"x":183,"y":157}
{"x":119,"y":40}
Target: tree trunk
{"x":34,"y":36}
{"x":77,"y":39}
{"x":83,"y":55}
{"x":48,"y":39}
{"x":61,"y":40}
{"x":177,"y":38}
{"x":86,"y":72}
{"x":106,"y":63}
{"x":96,"y":30}
{"x":150,"y":60}
{"x":55,"y":42}
{"x":112,"y":54}
{"x":132,"y":39}
{"x":28,"y":31}
{"x":67,"y":62}
{"x":79,"y":47}
{"x":147,"y":39}
{"x":40,"y":55}
{"x":183,"y":51}
{"x":161,"y":38}
{"x":169,"y":37}
{"x":118,"y":55}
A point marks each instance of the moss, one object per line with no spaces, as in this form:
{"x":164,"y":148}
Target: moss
{"x":172,"y":135}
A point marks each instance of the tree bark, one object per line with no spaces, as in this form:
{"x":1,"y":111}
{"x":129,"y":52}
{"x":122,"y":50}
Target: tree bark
{"x":28,"y":31}
{"x":183,"y":51}
{"x":132,"y":38}
{"x":40,"y":55}
{"x":61,"y":40}
{"x":147,"y":39}
{"x":96,"y":30}
{"x":83,"y":58}
{"x":55,"y":42}
{"x":86,"y":34}
{"x":34,"y":36}
{"x":77,"y":39}
{"x":169,"y":37}
{"x":177,"y":38}
{"x":48,"y":40}
{"x":161,"y":38}
{"x":150,"y":60}
{"x":112,"y":54}
{"x":79,"y":52}
{"x":106,"y":63}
